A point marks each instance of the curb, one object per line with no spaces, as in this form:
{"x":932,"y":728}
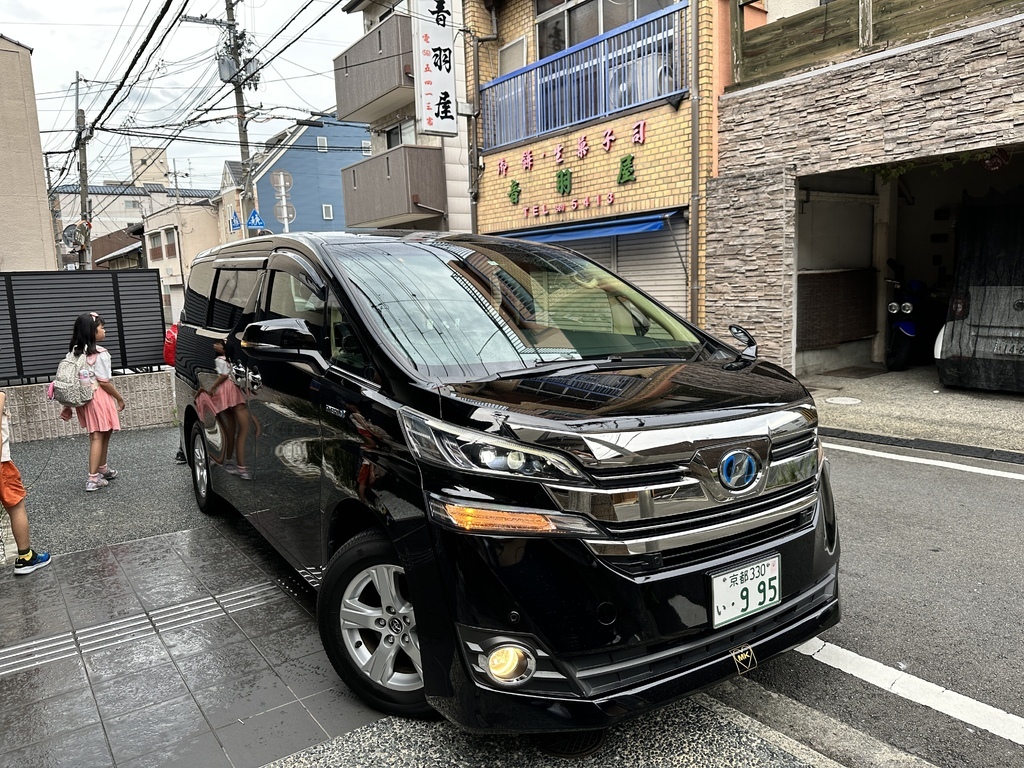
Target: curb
{"x":972,"y":451}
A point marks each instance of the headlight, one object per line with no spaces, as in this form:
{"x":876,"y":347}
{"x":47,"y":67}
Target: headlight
{"x":448,"y":445}
{"x":906,"y":307}
{"x":893,"y":307}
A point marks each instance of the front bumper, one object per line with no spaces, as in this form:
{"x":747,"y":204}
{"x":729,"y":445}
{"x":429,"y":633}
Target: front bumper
{"x":478,"y":708}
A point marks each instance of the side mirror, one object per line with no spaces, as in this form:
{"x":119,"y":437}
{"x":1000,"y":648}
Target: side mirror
{"x":285,"y":334}
{"x":743,"y":336}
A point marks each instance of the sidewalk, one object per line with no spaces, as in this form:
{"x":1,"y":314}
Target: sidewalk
{"x":913,"y":408}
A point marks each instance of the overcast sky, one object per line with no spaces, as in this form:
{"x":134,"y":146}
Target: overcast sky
{"x":99,"y":39}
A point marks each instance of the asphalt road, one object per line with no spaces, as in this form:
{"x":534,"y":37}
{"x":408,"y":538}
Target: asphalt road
{"x":929,"y":568}
{"x":930,"y":577}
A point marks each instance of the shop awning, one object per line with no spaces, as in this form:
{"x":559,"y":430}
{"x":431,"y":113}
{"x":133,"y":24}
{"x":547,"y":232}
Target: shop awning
{"x":627,"y":225}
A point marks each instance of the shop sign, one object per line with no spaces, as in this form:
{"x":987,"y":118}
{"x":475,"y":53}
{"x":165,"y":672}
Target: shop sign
{"x":563,"y":176}
{"x":433,"y":68}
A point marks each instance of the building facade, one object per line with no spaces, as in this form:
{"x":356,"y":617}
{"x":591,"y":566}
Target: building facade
{"x":173,"y":237}
{"x":596,"y":132}
{"x":413,"y":177}
{"x":29,"y":239}
{"x":860,"y":150}
{"x":298,"y":176}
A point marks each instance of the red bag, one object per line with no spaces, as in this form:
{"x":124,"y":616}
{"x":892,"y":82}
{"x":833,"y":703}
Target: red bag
{"x":171,"y":344}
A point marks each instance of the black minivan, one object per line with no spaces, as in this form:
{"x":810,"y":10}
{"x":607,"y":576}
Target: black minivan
{"x":531,"y":498}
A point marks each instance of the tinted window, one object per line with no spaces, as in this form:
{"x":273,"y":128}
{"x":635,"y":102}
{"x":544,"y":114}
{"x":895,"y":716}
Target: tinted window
{"x":345,"y":349}
{"x":233,"y":289}
{"x":459,"y":310}
{"x":291,"y":297}
{"x":197,"y":295}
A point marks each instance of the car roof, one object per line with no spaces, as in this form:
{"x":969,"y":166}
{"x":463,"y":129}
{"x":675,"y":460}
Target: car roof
{"x":311,"y":240}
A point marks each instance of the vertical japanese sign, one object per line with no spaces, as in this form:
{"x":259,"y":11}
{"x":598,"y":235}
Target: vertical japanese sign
{"x":434,"y":67}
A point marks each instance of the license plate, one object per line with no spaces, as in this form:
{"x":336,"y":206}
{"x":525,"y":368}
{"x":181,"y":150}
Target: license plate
{"x":744,"y":591}
{"x":1009,"y":347}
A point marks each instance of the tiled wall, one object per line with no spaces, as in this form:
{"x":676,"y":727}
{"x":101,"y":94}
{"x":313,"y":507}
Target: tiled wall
{"x":149,"y":402}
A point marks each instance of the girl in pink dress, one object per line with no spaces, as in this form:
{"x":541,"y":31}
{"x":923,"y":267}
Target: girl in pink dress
{"x":100,"y":415}
{"x":232,"y":414}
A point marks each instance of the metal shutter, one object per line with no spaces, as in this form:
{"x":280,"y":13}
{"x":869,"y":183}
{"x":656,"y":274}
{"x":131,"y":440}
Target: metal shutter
{"x":597,"y":248}
{"x":654,"y":262}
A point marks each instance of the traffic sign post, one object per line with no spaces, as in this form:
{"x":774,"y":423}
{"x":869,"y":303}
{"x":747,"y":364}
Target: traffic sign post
{"x":255,"y":221}
{"x":236,"y":223}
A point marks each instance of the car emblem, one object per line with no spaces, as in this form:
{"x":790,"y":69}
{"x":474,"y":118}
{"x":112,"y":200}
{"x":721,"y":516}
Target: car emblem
{"x":1019,"y":305}
{"x":737,"y":470}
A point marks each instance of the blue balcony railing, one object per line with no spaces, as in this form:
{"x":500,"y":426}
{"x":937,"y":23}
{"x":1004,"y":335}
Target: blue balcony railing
{"x":632,"y":65}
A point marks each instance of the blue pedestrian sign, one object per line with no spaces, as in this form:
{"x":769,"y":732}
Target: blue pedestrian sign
{"x":255,"y":222}
{"x":235,"y":223}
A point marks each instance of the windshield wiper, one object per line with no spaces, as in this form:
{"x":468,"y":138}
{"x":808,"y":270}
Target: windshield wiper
{"x":583,"y":365}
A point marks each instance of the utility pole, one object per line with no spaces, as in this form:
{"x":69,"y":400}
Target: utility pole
{"x":54,"y":213}
{"x":85,"y":225}
{"x":241,"y":113}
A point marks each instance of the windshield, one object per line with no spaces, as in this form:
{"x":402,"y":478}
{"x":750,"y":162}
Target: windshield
{"x":464,"y":310}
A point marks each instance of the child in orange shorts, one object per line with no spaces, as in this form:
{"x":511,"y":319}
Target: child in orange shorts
{"x":12,"y":497}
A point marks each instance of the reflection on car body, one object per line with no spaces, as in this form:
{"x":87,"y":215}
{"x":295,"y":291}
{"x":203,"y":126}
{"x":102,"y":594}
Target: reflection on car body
{"x":531,"y":498}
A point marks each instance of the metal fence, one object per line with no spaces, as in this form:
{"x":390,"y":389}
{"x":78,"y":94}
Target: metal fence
{"x":38,"y":311}
{"x":636,"y":64}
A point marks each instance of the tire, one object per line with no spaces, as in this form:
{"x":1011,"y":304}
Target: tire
{"x":207,"y":500}
{"x":374,"y":647}
{"x":897,"y":356}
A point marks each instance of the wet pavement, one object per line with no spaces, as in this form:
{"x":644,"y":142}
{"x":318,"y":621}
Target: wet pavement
{"x":159,"y":636}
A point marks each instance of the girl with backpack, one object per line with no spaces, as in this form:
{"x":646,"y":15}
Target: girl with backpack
{"x":100,"y":415}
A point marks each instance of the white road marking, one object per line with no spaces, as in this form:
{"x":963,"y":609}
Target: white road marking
{"x":915,"y":689}
{"x":929,"y":462}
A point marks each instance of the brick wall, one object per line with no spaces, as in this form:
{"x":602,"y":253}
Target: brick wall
{"x":960,"y":93}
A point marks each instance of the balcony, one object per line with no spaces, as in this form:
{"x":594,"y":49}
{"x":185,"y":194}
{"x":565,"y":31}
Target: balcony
{"x":371,"y":78}
{"x":402,"y":185}
{"x":639,"y":63}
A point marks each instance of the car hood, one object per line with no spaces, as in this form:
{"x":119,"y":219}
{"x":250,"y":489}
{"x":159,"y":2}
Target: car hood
{"x":684,"y":405}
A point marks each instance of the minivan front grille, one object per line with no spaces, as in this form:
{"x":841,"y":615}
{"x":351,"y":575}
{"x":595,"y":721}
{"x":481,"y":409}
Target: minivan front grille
{"x":632,"y":477}
{"x":713,"y":527}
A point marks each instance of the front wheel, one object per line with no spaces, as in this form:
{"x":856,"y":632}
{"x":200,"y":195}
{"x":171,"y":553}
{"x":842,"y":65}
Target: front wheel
{"x":368,"y":626}
{"x":897,"y":356}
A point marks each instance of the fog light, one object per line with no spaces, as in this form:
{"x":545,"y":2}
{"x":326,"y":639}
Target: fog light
{"x":510,"y":664}
{"x":893,"y":308}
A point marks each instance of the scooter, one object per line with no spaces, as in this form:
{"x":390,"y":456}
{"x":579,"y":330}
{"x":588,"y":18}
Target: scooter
{"x":902,"y":328}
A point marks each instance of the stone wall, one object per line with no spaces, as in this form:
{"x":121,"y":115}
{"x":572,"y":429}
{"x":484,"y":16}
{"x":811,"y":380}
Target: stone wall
{"x":958,"y":93}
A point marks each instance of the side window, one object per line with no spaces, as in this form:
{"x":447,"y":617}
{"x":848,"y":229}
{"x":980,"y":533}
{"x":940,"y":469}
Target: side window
{"x":291,"y":297}
{"x":345,"y":351}
{"x":197,"y":295}
{"x":231,"y":294}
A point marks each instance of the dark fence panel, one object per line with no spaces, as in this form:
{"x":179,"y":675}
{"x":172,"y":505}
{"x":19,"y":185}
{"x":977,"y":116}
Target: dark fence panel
{"x":38,"y":311}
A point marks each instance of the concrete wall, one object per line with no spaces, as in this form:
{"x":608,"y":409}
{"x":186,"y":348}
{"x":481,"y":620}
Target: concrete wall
{"x":958,"y":93}
{"x":27,"y":237}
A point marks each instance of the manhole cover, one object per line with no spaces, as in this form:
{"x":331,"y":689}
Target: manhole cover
{"x":571,"y":744}
{"x":842,"y":400}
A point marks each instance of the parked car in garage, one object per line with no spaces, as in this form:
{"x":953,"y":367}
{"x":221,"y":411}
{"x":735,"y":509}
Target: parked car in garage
{"x":531,"y":498}
{"x":981,"y":344}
